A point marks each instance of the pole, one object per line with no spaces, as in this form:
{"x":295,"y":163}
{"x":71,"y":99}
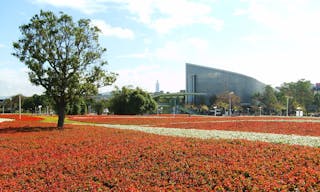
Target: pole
{"x":260,"y":110}
{"x":230,"y":113}
{"x":287,"y":106}
{"x":19,"y":106}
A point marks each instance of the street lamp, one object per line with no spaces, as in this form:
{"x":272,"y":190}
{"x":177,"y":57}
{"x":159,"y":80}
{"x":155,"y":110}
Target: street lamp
{"x":288,"y":105}
{"x":40,"y":106}
{"x":230,"y":104}
{"x":260,"y":110}
{"x":19,"y":106}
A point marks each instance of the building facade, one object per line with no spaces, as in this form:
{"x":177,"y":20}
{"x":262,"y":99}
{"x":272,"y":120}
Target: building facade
{"x":211,"y":81}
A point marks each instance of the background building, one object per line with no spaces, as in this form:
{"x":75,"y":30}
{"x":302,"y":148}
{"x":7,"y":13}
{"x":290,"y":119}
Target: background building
{"x":211,"y":81}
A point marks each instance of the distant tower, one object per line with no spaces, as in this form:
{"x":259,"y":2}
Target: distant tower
{"x":157,"y":87}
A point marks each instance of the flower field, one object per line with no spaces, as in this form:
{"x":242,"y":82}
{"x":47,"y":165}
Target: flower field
{"x":37,"y":157}
{"x":278,"y":125}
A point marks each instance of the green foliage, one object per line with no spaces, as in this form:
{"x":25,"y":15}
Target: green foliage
{"x":222,"y":100}
{"x":295,"y":94}
{"x":99,"y":106}
{"x":128,"y":101}
{"x":64,"y":57}
{"x":300,"y":94}
{"x":316,"y":102}
{"x":77,"y":106}
{"x":269,"y":100}
{"x":30,"y":103}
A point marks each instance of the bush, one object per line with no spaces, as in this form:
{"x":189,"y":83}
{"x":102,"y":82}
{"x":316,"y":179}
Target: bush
{"x":128,"y":101}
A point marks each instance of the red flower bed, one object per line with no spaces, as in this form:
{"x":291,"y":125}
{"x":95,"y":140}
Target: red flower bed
{"x":135,"y":120}
{"x":297,"y":128}
{"x":23,"y":117}
{"x":83,"y":158}
{"x":18,"y":126}
{"x":278,"y":125}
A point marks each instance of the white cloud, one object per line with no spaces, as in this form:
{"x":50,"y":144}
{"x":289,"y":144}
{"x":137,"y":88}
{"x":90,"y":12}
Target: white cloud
{"x":239,"y":12}
{"x":85,"y":6}
{"x":142,"y":9}
{"x":16,"y":81}
{"x":255,"y":39}
{"x":176,"y":51}
{"x":165,"y":15}
{"x":145,"y":76}
{"x":288,"y":18}
{"x":2,"y":45}
{"x":146,"y":54}
{"x":160,"y":15}
{"x":283,"y":42}
{"x":187,"y":50}
{"x":180,"y":13}
{"x":108,"y":30}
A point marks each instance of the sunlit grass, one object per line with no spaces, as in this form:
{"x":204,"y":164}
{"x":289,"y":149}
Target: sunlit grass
{"x":54,"y":119}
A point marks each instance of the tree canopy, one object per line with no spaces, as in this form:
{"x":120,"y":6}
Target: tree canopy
{"x":300,"y":93}
{"x":128,"y":101}
{"x":293,"y":95}
{"x":223,"y":101}
{"x":64,"y":57}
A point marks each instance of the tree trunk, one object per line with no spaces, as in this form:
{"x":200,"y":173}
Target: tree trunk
{"x":61,"y":115}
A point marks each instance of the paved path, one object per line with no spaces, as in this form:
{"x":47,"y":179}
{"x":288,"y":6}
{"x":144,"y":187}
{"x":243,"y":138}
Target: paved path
{"x":219,"y":134}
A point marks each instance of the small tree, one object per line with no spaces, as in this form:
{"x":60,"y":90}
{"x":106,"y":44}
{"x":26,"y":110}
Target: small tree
{"x":129,"y":101}
{"x":64,"y":57}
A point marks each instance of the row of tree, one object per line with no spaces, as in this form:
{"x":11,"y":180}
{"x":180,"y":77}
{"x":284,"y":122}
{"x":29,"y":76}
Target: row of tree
{"x":130,"y":101}
{"x":289,"y":97}
{"x":44,"y":105}
{"x":125,"y":101}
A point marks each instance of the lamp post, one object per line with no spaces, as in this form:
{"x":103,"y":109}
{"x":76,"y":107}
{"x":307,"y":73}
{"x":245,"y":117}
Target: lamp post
{"x":260,"y":110}
{"x":215,"y":110}
{"x":19,"y":106}
{"x":40,"y":106}
{"x":230,"y":104}
{"x":288,"y":105}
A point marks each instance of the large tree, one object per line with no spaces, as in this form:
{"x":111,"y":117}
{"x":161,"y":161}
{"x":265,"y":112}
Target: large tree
{"x":64,"y":57}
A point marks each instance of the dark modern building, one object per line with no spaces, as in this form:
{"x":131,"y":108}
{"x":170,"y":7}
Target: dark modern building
{"x":211,"y":81}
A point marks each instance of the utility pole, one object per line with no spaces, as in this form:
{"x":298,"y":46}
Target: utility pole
{"x":19,"y":106}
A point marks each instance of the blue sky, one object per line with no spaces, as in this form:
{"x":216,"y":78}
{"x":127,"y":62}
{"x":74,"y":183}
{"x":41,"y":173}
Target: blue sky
{"x":274,"y":41}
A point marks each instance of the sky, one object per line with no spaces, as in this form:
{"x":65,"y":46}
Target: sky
{"x":273,"y":41}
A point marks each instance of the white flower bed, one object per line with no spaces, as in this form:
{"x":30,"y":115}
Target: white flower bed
{"x":218,"y":134}
{"x":3,"y":119}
